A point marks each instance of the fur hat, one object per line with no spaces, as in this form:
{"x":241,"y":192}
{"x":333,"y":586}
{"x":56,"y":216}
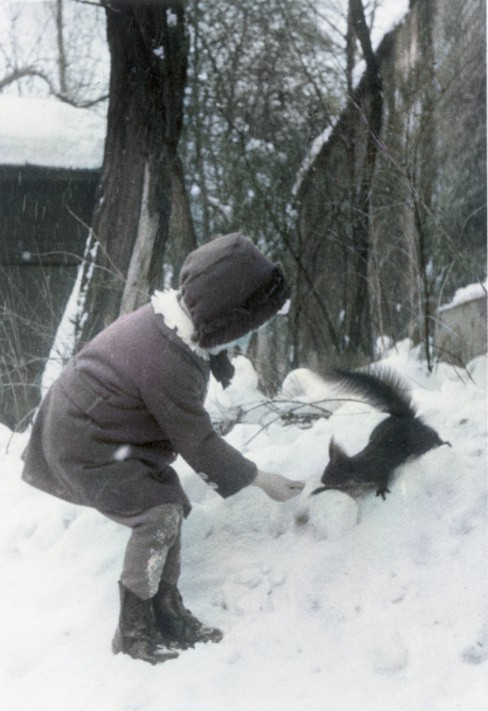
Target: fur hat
{"x":230,"y":288}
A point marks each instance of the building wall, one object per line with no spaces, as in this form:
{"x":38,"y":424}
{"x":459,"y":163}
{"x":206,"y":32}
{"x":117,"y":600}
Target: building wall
{"x":43,"y":218}
{"x":427,"y":222}
{"x":460,"y":333}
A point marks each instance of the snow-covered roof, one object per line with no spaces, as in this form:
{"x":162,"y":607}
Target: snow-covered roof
{"x":50,"y":133}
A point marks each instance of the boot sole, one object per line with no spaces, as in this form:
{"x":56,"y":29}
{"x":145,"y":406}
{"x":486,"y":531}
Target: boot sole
{"x":159,"y":657}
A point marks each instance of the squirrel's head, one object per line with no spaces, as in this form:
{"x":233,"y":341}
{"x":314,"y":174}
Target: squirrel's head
{"x":338,"y":472}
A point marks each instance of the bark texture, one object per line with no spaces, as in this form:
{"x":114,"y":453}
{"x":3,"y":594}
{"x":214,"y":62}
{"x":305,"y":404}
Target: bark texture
{"x":131,"y":223}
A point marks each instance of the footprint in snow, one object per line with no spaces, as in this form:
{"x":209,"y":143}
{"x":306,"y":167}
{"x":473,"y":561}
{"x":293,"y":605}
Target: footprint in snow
{"x":476,"y":653}
{"x":391,"y":655}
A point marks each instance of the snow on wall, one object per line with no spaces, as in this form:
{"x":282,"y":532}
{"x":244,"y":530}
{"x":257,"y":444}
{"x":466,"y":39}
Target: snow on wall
{"x":49,"y":133}
{"x":465,"y":294}
{"x":460,"y":333}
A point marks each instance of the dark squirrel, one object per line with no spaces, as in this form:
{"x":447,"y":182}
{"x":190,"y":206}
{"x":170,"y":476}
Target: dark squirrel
{"x":400,"y":437}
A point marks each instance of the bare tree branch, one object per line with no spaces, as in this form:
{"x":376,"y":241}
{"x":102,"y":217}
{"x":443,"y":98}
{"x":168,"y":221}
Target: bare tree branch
{"x":23,"y":72}
{"x":16,"y":74}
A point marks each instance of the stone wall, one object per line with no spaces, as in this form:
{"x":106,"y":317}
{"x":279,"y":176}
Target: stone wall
{"x":460,"y":333}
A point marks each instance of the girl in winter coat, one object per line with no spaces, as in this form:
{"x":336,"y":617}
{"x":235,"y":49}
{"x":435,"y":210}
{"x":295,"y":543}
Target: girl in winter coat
{"x":132,"y":400}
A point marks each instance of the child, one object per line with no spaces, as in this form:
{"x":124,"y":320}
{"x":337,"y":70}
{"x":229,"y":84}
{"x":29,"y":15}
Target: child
{"x":132,"y":400}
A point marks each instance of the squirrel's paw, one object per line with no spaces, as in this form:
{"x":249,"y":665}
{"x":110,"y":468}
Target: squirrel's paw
{"x":383,"y":491}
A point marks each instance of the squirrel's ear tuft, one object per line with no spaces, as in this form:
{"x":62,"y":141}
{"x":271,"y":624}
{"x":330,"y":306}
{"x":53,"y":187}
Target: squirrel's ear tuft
{"x":335,"y":450}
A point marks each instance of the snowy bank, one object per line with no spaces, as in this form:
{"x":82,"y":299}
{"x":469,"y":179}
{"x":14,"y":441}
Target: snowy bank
{"x":368,"y":605}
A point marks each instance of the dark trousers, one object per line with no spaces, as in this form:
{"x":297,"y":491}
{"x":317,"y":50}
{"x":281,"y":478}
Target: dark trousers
{"x":153,"y":552}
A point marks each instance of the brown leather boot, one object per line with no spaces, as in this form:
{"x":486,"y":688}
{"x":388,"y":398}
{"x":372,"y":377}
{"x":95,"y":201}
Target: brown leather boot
{"x":178,"y":627}
{"x":137,"y":634}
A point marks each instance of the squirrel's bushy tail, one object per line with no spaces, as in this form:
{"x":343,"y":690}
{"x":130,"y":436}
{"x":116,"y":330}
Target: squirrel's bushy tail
{"x":381,"y":388}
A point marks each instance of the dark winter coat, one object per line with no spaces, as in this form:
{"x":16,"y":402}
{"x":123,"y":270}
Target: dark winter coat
{"x":126,"y":405}
{"x":119,"y":414}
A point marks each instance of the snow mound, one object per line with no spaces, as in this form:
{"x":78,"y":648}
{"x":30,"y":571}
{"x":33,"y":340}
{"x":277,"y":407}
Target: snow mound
{"x":358,"y":604}
{"x":328,"y":515}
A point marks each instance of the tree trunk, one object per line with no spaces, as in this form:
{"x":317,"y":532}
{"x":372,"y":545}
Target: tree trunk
{"x":131,"y":223}
{"x":360,"y":337}
{"x":182,"y":238}
{"x":423,"y":177}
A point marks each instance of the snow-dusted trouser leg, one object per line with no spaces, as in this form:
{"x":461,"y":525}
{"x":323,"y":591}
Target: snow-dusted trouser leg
{"x":153,"y":549}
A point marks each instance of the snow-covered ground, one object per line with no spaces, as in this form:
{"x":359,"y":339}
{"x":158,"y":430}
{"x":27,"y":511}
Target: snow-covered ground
{"x":326,"y":602}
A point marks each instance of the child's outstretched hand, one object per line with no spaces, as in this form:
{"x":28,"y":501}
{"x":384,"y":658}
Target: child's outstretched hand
{"x":278,"y":487}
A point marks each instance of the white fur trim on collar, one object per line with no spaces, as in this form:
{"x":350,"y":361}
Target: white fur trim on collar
{"x":168,"y":305}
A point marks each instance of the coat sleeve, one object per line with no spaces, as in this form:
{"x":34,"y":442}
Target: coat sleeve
{"x":176,"y":401}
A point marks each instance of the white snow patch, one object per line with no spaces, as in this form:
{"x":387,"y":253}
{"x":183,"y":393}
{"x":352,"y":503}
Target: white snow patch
{"x":383,"y":604}
{"x":391,"y":655}
{"x":72,"y":320}
{"x":50,"y":133}
{"x":122,"y":453}
{"x":466,"y":294}
{"x":317,"y":145}
{"x":328,"y":515}
{"x":387,"y":16}
{"x":172,"y":18}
